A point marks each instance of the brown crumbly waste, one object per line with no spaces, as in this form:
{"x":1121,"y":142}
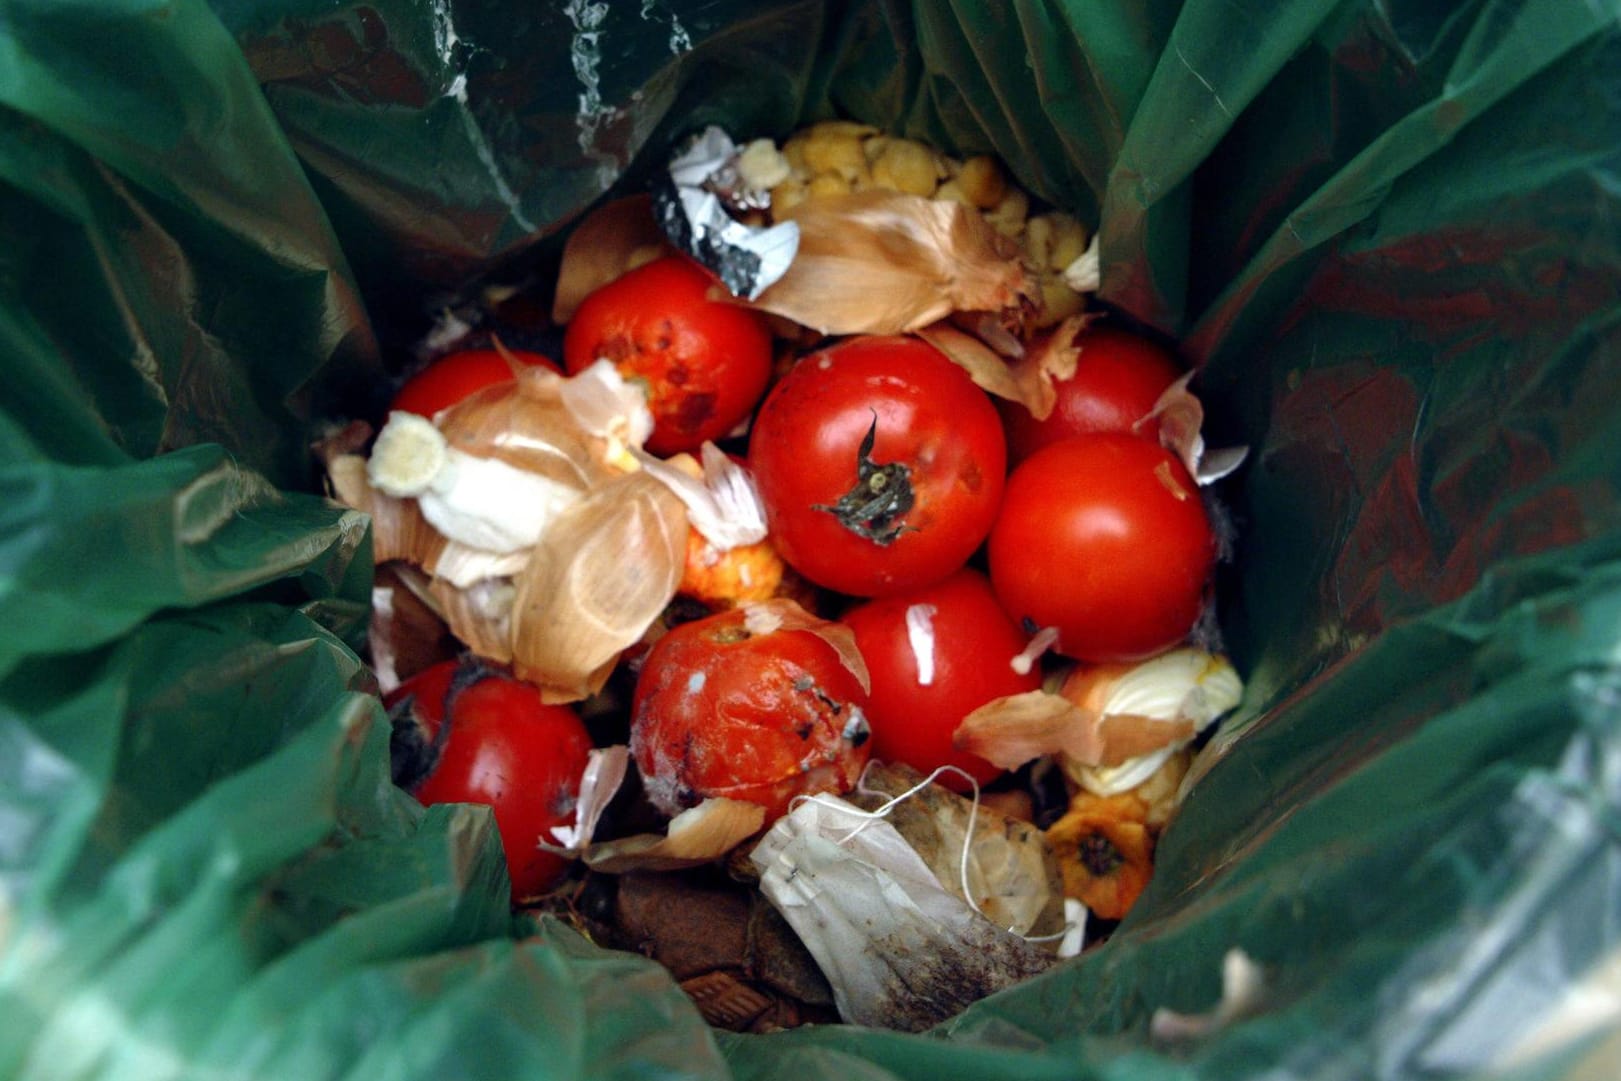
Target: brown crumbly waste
{"x":726,"y":946}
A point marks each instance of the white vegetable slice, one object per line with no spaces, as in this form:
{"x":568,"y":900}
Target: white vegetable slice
{"x":408,"y":457}
{"x":488,"y":504}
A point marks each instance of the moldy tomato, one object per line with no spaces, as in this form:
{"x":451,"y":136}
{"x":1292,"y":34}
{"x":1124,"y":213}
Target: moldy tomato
{"x":721,"y":710}
{"x":453,"y":377}
{"x":1118,"y":378}
{"x":1105,"y":537}
{"x":880,"y":465}
{"x":936,"y":654}
{"x":705,"y":362}
{"x":466,"y":734}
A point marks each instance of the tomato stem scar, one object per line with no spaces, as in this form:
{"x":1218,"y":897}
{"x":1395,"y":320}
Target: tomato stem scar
{"x":881,"y":497}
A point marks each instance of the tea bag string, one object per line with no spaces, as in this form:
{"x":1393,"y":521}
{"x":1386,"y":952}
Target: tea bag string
{"x":1073,"y":922}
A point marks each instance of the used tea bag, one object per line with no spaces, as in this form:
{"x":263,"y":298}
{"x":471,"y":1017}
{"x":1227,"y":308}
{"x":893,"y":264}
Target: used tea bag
{"x":899,"y":950}
{"x":1011,"y":874}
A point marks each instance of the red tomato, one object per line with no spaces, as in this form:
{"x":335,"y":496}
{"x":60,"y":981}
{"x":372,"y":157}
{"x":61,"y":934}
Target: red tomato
{"x":506,"y":749}
{"x":453,"y":377}
{"x":965,"y":653}
{"x":880,"y":465}
{"x":1117,"y":380}
{"x":1105,"y":537}
{"x":705,"y":362}
{"x":722,"y":711}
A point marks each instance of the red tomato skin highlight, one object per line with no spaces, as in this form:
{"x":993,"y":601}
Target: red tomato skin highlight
{"x":929,"y":416}
{"x":1105,"y":537}
{"x":974,"y":643}
{"x":456,"y":375}
{"x":1118,"y":378}
{"x":705,"y":362}
{"x":511,"y":752}
{"x":719,"y":711}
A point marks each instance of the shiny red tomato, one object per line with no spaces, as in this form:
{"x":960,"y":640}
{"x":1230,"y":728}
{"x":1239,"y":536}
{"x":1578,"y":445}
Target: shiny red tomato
{"x":456,"y":375}
{"x":705,"y":363}
{"x":937,"y":654}
{"x":504,"y":748}
{"x":1118,"y":378}
{"x":880,"y":465}
{"x":1105,"y":537}
{"x":721,"y":710}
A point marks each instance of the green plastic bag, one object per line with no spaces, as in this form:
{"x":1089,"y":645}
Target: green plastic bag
{"x":1389,"y":232}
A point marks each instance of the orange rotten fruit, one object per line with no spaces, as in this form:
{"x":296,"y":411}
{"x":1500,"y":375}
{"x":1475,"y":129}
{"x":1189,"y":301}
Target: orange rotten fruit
{"x":1105,"y":852}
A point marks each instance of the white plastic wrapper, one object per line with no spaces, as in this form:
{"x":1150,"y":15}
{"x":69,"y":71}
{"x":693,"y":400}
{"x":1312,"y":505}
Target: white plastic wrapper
{"x":899,"y":950}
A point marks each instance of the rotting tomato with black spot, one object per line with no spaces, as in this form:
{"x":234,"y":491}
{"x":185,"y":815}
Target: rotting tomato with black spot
{"x":760,"y":713}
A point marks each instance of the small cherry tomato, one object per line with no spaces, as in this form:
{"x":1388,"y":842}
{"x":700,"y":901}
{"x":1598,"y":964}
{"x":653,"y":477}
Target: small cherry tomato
{"x":502,"y":747}
{"x":1105,"y":537}
{"x":721,"y":710}
{"x":937,"y":654}
{"x":1118,"y":378}
{"x":705,"y":362}
{"x":456,"y":375}
{"x":880,"y":465}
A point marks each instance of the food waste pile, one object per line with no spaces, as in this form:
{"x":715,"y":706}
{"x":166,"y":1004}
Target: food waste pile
{"x":828,"y":610}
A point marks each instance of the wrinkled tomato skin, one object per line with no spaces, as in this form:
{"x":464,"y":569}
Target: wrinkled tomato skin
{"x":929,"y":416}
{"x":720,"y":711}
{"x":973,"y":645}
{"x":705,"y":363}
{"x":455,"y":376}
{"x":1118,"y":378}
{"x":511,"y":752}
{"x":1105,"y":537}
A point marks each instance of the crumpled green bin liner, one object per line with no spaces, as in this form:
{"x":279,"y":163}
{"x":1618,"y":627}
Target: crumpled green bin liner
{"x":1389,"y":232}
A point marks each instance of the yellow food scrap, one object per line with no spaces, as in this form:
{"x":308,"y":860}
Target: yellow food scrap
{"x":726,"y":579}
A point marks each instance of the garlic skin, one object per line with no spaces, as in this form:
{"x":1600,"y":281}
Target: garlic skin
{"x":1183,"y":684}
{"x":1085,"y":273}
{"x":723,"y":504}
{"x":605,"y":405}
{"x":761,"y":166}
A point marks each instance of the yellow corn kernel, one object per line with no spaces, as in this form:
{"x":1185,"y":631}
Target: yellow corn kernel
{"x":827,"y":184}
{"x":1038,"y":240}
{"x":983,"y":180}
{"x":1008,"y":216}
{"x":1058,"y":301}
{"x":794,"y":151}
{"x":951,"y":192}
{"x":1069,"y":242}
{"x":835,"y":150}
{"x":762,"y":166}
{"x":908,"y":167}
{"x":787,"y":195}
